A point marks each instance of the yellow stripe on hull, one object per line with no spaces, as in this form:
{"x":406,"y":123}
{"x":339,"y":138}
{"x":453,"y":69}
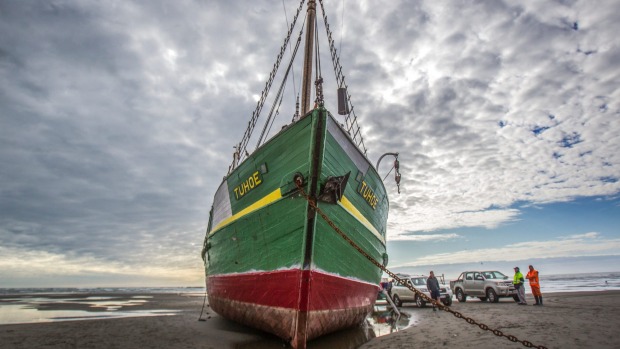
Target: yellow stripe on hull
{"x":266,"y":200}
{"x":349,"y":207}
{"x":276,"y":195}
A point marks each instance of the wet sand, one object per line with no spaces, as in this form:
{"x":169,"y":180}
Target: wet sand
{"x":567,"y":320}
{"x":170,"y":332}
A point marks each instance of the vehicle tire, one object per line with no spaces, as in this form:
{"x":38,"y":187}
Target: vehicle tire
{"x":397,"y":300}
{"x":420,"y":302}
{"x":516,"y":298}
{"x":483,"y":299}
{"x":460,"y":296}
{"x":448,"y":301}
{"x":492,"y":296}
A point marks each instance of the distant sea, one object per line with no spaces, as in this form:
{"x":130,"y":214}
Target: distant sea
{"x":549,"y":284}
{"x":136,"y":290}
{"x":580,"y":282}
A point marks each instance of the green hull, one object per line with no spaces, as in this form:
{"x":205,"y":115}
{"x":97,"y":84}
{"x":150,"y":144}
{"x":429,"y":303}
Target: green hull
{"x":262,"y":229}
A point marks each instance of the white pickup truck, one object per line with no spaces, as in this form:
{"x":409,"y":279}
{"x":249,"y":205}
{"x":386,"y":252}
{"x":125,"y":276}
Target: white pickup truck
{"x":486,"y":285}
{"x":402,"y":294}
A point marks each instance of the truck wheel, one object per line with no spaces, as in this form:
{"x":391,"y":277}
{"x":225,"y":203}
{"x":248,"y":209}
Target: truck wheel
{"x":460,"y":296}
{"x":420,"y":302}
{"x":483,"y":299}
{"x":492,"y":296}
{"x":448,"y":301}
{"x":516,"y":298}
{"x":397,"y":300}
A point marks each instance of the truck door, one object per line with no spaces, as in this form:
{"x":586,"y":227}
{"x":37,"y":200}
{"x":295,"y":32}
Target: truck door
{"x":478,"y":285}
{"x":468,"y":283}
{"x":407,"y":294}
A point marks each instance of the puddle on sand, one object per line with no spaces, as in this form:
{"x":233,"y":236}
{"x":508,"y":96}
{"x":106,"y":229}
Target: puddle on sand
{"x":46,"y":309}
{"x":384,"y":320}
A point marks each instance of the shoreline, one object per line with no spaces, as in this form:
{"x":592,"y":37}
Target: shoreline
{"x":567,"y":319}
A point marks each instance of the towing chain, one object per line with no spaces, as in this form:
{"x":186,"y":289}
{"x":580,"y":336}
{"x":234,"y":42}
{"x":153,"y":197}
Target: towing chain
{"x":299,"y":184}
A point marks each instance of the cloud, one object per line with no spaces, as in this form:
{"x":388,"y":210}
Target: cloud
{"x":119,"y":118}
{"x":425,"y":237}
{"x":589,"y":244}
{"x":590,"y":235}
{"x":500,"y":106}
{"x":39,"y":268}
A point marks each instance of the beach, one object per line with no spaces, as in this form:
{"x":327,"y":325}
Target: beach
{"x":567,"y":320}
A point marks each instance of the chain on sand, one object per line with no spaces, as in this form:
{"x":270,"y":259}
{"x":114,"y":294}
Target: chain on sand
{"x":418,"y":293}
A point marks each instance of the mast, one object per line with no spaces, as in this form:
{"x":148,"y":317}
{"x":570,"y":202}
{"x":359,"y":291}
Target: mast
{"x":308,"y":51}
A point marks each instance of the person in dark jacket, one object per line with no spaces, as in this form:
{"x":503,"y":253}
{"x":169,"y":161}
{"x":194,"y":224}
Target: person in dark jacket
{"x":432,"y":284}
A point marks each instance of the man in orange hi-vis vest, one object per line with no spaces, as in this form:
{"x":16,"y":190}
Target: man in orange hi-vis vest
{"x":532,"y":276}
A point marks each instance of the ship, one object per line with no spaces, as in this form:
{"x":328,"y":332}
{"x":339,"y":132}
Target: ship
{"x":296,"y":237}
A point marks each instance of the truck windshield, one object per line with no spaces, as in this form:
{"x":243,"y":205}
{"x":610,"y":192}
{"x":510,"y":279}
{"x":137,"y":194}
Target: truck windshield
{"x":493,"y":275}
{"x":418,"y":281}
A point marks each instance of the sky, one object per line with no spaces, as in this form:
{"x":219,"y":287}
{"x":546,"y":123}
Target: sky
{"x":118,"y":121}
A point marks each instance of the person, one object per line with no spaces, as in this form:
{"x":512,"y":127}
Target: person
{"x":384,"y":284}
{"x":432,"y":284}
{"x":532,"y":276}
{"x":389,"y":287}
{"x":518,"y":281}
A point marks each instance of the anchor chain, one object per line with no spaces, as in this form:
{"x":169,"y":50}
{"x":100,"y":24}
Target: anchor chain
{"x":528,"y":344}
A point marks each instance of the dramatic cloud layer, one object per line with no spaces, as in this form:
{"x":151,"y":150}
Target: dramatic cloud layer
{"x":589,"y":244}
{"x":118,"y":118}
{"x":503,"y":103}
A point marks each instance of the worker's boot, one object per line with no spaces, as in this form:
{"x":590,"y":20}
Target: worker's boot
{"x":540,"y":299}
{"x":536,"y":298}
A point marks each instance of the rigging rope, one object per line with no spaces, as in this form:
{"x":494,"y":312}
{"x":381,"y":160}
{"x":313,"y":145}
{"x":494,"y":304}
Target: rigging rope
{"x":240,"y":149}
{"x":276,"y":115}
{"x":289,"y":48}
{"x":279,"y":95}
{"x":387,"y":174}
{"x":352,"y":125}
{"x":341,"y":27}
{"x":318,"y":81}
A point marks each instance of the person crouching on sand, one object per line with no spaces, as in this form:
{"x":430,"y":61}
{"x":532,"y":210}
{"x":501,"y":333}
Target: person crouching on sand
{"x":532,"y":276}
{"x":518,"y":282}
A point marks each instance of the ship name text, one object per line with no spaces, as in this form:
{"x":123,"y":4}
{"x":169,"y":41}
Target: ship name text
{"x":368,"y":194}
{"x":252,"y":182}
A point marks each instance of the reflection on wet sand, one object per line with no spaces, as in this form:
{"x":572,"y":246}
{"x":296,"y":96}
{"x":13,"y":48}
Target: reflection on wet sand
{"x":383,"y":321}
{"x":25,"y":309}
{"x":53,"y":308}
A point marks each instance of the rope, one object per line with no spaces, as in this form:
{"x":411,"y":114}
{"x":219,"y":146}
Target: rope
{"x":279,"y":95}
{"x":289,"y":48}
{"x":353,"y":127}
{"x":241,"y":148}
{"x":387,"y":173}
{"x":318,"y":74}
{"x":203,"y":306}
{"x":482,"y":326}
{"x":272,"y":117}
{"x":341,"y":27}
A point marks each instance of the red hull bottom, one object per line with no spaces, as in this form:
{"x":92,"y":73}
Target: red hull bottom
{"x":282,"y":322}
{"x":294,"y":305}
